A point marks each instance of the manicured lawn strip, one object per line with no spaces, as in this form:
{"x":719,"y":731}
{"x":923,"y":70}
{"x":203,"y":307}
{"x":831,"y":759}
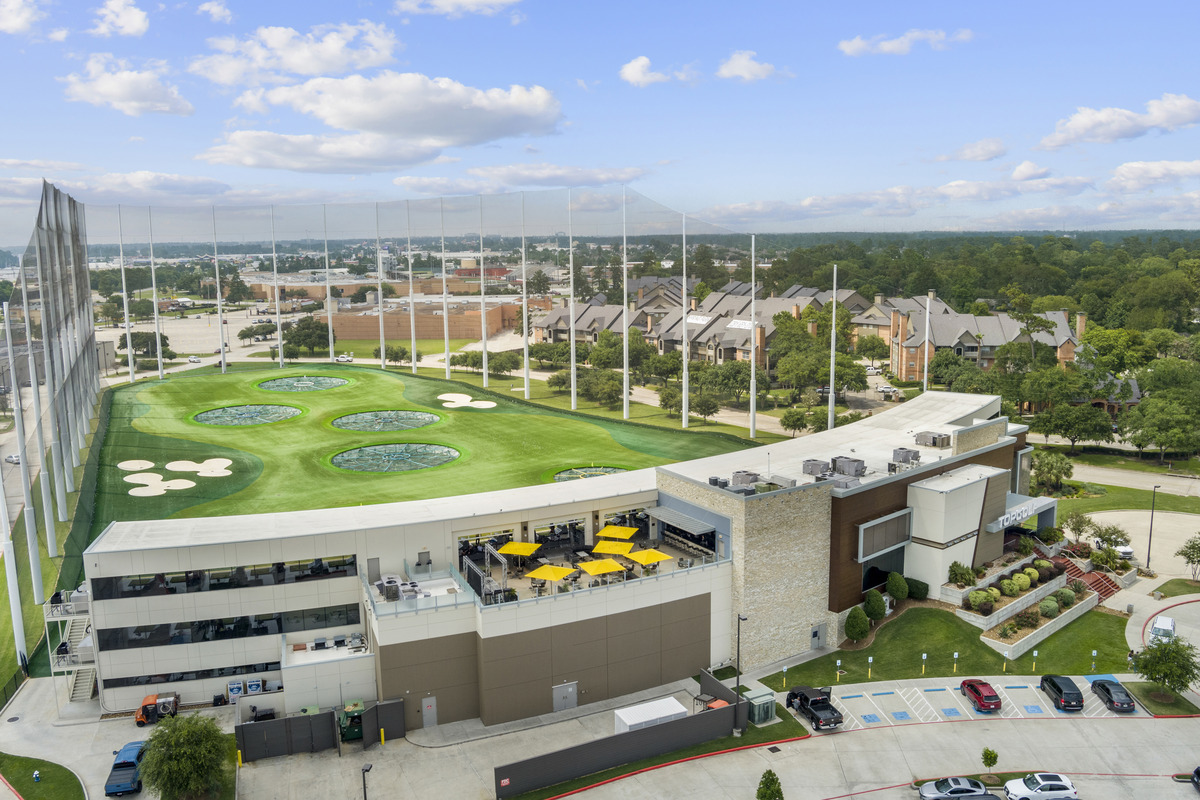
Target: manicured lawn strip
{"x":57,"y":782}
{"x":286,"y":465}
{"x":898,"y":647}
{"x":1179,"y":586}
{"x":1125,"y":459}
{"x":724,"y":673}
{"x":229,"y":778}
{"x":1119,"y":498}
{"x":788,"y":727}
{"x":1141,"y":692}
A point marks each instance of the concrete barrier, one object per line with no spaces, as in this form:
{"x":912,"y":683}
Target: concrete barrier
{"x":1022,"y":646}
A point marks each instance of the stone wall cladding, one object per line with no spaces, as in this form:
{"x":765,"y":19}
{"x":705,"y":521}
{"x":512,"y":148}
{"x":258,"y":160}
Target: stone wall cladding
{"x":780,"y":552}
{"x":1020,"y":648}
{"x":973,"y":438}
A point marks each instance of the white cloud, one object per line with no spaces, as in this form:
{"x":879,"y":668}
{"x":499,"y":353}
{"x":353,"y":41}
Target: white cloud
{"x":743,"y":66}
{"x":902,"y":45}
{"x":436,"y":186}
{"x":1171,"y":112}
{"x":362,"y":152}
{"x":638,"y":73}
{"x":1137,"y":176}
{"x":983,"y":150}
{"x":18,"y":16}
{"x":491,"y":180}
{"x":121,"y":17}
{"x":453,"y":8}
{"x":988,"y":191}
{"x":58,"y":34}
{"x":109,"y":81}
{"x":271,"y":54}
{"x":216,"y":11}
{"x":1027,"y":170}
{"x":41,"y":165}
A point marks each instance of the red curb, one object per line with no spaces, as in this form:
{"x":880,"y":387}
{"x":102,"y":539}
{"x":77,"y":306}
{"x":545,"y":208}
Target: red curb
{"x":11,"y":789}
{"x":1168,"y":608}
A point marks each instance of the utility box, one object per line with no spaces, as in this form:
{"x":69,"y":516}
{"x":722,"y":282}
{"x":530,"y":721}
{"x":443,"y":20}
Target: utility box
{"x":762,"y":705}
{"x":647,"y":714}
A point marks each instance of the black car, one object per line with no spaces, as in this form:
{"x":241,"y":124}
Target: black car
{"x":1063,"y":692}
{"x":1114,"y":695}
{"x":1196,"y":778}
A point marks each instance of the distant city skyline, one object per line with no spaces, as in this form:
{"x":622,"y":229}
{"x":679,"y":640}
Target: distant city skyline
{"x":756,"y":116}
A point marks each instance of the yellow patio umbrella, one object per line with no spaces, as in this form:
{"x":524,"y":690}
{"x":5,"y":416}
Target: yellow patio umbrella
{"x":645,"y":557}
{"x":546,"y":572}
{"x":617,"y":532}
{"x":519,"y":548}
{"x":613,"y":548}
{"x":601,"y":567}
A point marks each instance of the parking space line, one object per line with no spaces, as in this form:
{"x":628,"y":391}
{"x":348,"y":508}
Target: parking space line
{"x":1009,"y":708}
{"x":962,"y":703}
{"x":920,"y":705}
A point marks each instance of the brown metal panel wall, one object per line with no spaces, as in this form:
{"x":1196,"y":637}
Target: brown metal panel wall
{"x":989,"y":546}
{"x":846,"y":514}
{"x":445,"y":667}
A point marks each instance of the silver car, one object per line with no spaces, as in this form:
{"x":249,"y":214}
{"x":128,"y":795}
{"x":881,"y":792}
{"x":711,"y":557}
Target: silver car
{"x":946,"y":788}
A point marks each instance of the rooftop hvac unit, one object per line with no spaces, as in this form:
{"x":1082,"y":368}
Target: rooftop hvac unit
{"x":906,"y":455}
{"x":844,"y":465}
{"x":814,"y":466}
{"x":714,"y":481}
{"x":745,"y":491}
{"x":783,"y":483}
{"x":933,"y":439}
{"x":845,"y":482}
{"x":743,"y":477}
{"x":722,"y":483}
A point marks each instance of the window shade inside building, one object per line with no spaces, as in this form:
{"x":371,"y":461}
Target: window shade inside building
{"x":886,"y":533}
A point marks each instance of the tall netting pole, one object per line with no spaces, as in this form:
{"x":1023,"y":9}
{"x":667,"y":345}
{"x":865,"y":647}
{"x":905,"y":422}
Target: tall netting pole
{"x":571,"y":301}
{"x":832,"y":352}
{"x":412,"y":302}
{"x":154,"y":292}
{"x":753,"y":345}
{"x":445,"y":297}
{"x":35,"y":565}
{"x":683,"y":323}
{"x":525,"y":300}
{"x":220,"y":308}
{"x":125,"y":293}
{"x":275,"y":281}
{"x":10,"y":572}
{"x":330,"y":300}
{"x":51,"y":323}
{"x":379,"y":288}
{"x":624,"y":308}
{"x":36,"y":407}
{"x":482,"y":298}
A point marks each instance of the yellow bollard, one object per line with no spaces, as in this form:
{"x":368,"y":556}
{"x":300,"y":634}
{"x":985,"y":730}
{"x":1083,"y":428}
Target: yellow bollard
{"x":1005,"y":667}
{"x":239,"y":758}
{"x":381,"y":736}
{"x":868,"y":673}
{"x":955,"y":667}
{"x":922,"y":667}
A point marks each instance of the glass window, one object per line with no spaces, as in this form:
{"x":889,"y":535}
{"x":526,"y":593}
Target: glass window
{"x":178,"y":677}
{"x":237,"y":577}
{"x":875,"y":571}
{"x":207,"y":630}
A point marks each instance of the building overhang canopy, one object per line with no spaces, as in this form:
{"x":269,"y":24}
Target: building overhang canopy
{"x":678,"y":520}
{"x":1018,"y":508}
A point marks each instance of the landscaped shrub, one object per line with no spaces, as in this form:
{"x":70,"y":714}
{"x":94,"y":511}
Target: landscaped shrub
{"x":1025,"y":545}
{"x":857,"y":624}
{"x":1045,"y":574}
{"x":1009,"y":588}
{"x":1066,"y":597}
{"x":1105,"y":557}
{"x":1027,"y":618}
{"x":960,"y":574}
{"x":986,"y":607}
{"x":1077,"y":586}
{"x":917,"y":590}
{"x":1049,"y":535}
{"x":1048,"y":608}
{"x":1022,"y":581}
{"x":897,"y":587}
{"x":1058,"y":567}
{"x":1123,"y":565}
{"x":1007,"y":630}
{"x":977,"y":597}
{"x":1040,"y":563}
{"x":980,"y":571}
{"x":1079,"y":549}
{"x":1032,"y":574}
{"x":875,"y":607}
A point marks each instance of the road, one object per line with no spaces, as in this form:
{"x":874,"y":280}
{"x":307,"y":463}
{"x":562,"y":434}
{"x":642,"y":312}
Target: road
{"x":1171,"y":484}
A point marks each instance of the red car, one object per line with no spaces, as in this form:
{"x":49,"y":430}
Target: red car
{"x":981,"y":694}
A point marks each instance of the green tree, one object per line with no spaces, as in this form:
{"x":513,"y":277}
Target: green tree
{"x":1074,"y":423}
{"x":769,"y":787}
{"x":857,"y":624}
{"x":236,"y":289}
{"x":703,"y":405}
{"x":1078,"y":524}
{"x":989,"y":758}
{"x":794,"y":419}
{"x":560,"y":381}
{"x":897,"y":587}
{"x":1020,"y":308}
{"x":1171,"y":663}
{"x":1190,"y":553}
{"x":872,"y":347}
{"x":184,"y":758}
{"x":874,"y":607}
{"x":670,"y":399}
{"x":308,"y":333}
{"x":539,"y":283}
{"x":1050,"y":469}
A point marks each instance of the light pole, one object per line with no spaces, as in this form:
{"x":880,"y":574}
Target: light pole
{"x":366,"y":768}
{"x":1153,"y":497}
{"x":741,"y":618}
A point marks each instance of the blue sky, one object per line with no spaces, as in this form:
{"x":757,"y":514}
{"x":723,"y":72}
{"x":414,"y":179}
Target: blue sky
{"x":759,"y":116}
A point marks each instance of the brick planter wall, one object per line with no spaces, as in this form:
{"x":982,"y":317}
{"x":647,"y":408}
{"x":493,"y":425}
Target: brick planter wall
{"x":1021,"y":603}
{"x":1023,"y":646}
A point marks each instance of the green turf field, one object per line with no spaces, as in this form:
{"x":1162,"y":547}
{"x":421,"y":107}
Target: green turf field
{"x":287,"y":465}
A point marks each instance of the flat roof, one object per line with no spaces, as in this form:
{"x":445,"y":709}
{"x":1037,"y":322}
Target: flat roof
{"x":955,"y":478}
{"x":871,"y":439}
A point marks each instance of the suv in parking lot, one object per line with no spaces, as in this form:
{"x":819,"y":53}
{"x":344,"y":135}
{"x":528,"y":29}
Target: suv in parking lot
{"x":981,"y":694}
{"x":1063,"y":692}
{"x":1041,"y":786}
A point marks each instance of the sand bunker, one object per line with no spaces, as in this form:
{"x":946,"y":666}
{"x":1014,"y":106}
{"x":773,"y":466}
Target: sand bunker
{"x":455,"y":400}
{"x":154,"y":485}
{"x":133,"y":465}
{"x":212,"y":468}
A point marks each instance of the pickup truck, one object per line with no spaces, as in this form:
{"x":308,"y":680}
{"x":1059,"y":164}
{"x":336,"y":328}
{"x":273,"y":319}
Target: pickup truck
{"x":125,"y":778}
{"x":813,"y":705}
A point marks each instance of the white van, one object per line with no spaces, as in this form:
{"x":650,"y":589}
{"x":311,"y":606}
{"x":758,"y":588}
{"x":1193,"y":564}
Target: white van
{"x":1162,"y":629}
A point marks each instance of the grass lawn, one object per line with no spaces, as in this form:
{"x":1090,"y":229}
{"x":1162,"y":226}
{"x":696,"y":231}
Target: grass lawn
{"x":287,"y":465}
{"x":363,"y":348}
{"x":898,"y":647}
{"x":1141,"y":691}
{"x":1177,"y":586}
{"x":1124,"y":459}
{"x":1120,"y":498}
{"x":57,"y":782}
{"x":788,"y":727}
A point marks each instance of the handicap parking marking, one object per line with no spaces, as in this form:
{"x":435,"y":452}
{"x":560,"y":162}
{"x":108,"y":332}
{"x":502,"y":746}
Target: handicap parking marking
{"x":952,"y":712}
{"x":901,"y":716}
{"x":1032,"y":709}
{"x":870,"y":719}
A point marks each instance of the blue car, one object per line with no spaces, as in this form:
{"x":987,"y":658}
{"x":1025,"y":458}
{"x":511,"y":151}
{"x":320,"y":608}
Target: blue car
{"x":125,"y":775}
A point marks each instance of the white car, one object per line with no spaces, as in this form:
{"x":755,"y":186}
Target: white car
{"x":1041,"y":786}
{"x":345,"y":359}
{"x":874,"y":370}
{"x":885,"y":389}
{"x":193,"y":359}
{"x":13,"y":459}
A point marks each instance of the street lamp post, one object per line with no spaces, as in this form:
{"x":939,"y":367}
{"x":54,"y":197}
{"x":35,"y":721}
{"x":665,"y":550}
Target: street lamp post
{"x":366,"y":768}
{"x":741,"y":618}
{"x":1153,"y":497}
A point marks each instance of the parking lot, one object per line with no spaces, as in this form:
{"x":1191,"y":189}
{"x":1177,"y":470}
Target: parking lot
{"x":881,"y":705}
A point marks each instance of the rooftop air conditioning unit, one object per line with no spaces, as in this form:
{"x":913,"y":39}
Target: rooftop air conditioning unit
{"x":845,"y":482}
{"x":744,"y":477}
{"x":783,"y":483}
{"x":714,"y":481}
{"x":814,"y":466}
{"x":933,"y":439}
{"x":722,"y":483}
{"x":854,"y":467}
{"x":906,"y":455}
